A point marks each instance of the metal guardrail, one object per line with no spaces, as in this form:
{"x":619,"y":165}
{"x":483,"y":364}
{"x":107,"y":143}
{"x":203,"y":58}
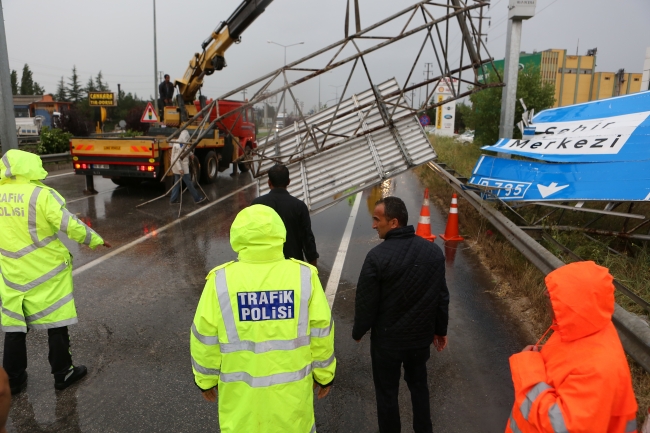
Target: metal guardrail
{"x":56,"y":157}
{"x":633,"y":331}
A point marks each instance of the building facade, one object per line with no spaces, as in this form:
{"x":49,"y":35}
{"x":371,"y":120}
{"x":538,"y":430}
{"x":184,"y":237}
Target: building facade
{"x":575,"y":78}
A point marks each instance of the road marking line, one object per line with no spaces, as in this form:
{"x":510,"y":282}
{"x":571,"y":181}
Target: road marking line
{"x":59,"y":175}
{"x":335,"y":275}
{"x":91,"y":196}
{"x":156,"y":232}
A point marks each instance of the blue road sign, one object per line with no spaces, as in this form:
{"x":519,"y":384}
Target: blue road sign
{"x":516,"y":180}
{"x":594,"y":151}
{"x":425,"y":120}
{"x":615,"y":129}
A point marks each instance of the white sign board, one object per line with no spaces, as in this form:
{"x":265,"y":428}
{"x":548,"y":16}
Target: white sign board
{"x":443,"y":124}
{"x":521,"y":9}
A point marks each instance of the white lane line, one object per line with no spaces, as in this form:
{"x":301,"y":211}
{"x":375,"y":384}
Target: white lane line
{"x":91,"y":196}
{"x":335,"y":275}
{"x":59,"y":175}
{"x":156,"y":232}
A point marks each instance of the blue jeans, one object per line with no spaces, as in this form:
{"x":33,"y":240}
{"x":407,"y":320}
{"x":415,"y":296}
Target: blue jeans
{"x":176,"y":192}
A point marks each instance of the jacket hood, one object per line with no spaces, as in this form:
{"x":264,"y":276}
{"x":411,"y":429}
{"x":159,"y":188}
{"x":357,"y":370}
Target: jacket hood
{"x":258,"y":235}
{"x":17,"y":163}
{"x":183,"y":138}
{"x":582,"y":296}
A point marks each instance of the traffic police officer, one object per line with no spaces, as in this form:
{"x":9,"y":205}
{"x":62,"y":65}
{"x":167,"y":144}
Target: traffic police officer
{"x":263,"y":334}
{"x":36,"y":284}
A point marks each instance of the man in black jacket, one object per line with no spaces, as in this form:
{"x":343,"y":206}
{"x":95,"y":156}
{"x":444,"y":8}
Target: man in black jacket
{"x":402,"y":296}
{"x":166,"y":91}
{"x":300,"y":244}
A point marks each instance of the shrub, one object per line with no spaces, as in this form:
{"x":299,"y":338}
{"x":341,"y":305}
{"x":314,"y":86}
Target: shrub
{"x":53,"y":141}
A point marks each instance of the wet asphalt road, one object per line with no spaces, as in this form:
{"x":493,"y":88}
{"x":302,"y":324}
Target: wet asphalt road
{"x":135,"y":309}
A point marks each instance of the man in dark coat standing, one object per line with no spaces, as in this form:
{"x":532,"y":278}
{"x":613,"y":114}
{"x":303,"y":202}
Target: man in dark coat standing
{"x":402,"y":297}
{"x":300,"y":244}
{"x":166,"y":91}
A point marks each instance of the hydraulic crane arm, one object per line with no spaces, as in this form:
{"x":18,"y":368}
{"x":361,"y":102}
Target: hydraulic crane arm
{"x":214,"y":47}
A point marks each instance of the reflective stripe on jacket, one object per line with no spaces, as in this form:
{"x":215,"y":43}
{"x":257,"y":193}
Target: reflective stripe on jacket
{"x":580,"y":381}
{"x":36,"y":268}
{"x":263,"y":333}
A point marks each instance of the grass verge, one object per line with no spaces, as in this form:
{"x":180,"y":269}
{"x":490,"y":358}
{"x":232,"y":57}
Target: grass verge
{"x":519,"y":283}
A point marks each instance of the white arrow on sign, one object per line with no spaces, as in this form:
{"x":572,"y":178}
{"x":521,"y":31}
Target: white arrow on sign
{"x":545,"y":191}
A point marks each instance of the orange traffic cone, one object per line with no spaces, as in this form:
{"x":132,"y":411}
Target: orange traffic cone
{"x":451,"y":232}
{"x":424,"y":223}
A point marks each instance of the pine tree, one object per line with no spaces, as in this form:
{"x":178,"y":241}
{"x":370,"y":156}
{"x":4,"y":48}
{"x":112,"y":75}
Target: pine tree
{"x":75,"y":92}
{"x":14,"y":82}
{"x":38,"y":90}
{"x":26,"y":81}
{"x":90,"y":86}
{"x":61,"y":93}
{"x":101,"y":85}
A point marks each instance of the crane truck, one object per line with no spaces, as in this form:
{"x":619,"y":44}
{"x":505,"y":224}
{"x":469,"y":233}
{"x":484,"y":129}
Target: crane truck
{"x":130,"y":160}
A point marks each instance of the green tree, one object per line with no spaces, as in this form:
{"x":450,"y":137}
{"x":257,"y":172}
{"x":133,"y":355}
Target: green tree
{"x":61,"y":93}
{"x":101,"y":85}
{"x":14,"y":82}
{"x":463,"y":119}
{"x":27,"y":81}
{"x":75,"y":91}
{"x":38,"y":89}
{"x":486,"y":112}
{"x":90,"y":86}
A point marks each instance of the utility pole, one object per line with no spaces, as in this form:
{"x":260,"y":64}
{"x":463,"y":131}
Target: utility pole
{"x":8,"y":135}
{"x":428,"y":71}
{"x":285,"y":64}
{"x":244,"y":93}
{"x":413,"y":96}
{"x":155,"y":61}
{"x":518,"y":11}
{"x":119,"y":93}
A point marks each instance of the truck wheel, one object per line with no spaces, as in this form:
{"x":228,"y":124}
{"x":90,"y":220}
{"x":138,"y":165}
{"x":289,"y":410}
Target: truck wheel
{"x":210,"y":168}
{"x":126,"y":181}
{"x":248,"y":156}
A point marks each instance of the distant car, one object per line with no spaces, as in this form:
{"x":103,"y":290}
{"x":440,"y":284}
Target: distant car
{"x":466,"y":137}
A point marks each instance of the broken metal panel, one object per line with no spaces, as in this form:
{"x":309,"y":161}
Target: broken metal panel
{"x":324,"y":171}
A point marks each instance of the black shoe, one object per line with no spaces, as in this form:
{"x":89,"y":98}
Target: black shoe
{"x":19,"y":385}
{"x":201,"y":200}
{"x":62,"y":381}
{"x":174,"y":202}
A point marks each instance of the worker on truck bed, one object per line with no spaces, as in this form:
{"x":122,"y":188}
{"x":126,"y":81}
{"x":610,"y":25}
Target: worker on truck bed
{"x":181,"y":168}
{"x":166,"y":91}
{"x":36,"y":284}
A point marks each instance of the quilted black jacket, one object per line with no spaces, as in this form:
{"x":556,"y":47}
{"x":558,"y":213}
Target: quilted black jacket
{"x":402,"y":293}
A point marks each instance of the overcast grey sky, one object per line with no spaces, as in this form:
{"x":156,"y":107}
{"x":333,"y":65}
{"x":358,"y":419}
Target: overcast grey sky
{"x":116,"y":37}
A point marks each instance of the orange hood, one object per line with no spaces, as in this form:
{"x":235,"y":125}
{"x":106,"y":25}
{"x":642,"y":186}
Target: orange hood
{"x":582,"y":296}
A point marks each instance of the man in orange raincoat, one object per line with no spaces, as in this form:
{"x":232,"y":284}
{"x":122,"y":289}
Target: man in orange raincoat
{"x":579,"y":381}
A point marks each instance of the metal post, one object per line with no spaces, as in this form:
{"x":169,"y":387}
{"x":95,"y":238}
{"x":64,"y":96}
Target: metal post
{"x":155,"y":61}
{"x":8,"y":135}
{"x":90,"y":185}
{"x":511,"y":66}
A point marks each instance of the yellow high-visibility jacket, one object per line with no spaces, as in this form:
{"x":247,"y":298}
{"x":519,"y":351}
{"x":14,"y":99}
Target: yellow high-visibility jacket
{"x":36,"y":283}
{"x":263,"y":332}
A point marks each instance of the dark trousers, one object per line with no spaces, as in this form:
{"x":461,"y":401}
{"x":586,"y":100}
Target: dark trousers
{"x":176,"y":191}
{"x":15,"y":352}
{"x":386,"y":372}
